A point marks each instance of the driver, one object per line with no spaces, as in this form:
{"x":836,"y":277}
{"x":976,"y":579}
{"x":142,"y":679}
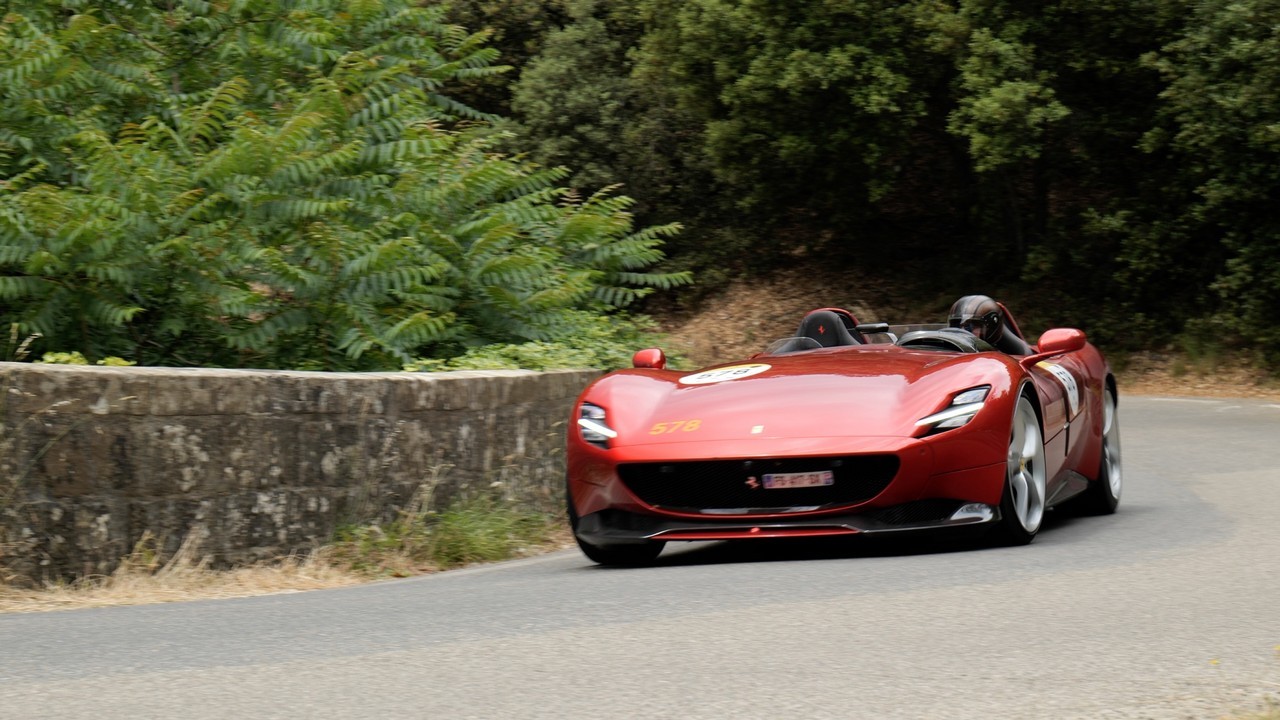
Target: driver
{"x":984,"y":317}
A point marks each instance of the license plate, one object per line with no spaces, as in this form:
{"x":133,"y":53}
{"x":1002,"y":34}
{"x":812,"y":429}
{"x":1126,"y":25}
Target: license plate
{"x":781,"y":481}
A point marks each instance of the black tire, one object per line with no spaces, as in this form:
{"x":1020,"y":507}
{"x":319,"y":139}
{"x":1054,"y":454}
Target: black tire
{"x":1022,"y":505}
{"x":1103,"y":495}
{"x":620,"y":554}
{"x":628,"y":555}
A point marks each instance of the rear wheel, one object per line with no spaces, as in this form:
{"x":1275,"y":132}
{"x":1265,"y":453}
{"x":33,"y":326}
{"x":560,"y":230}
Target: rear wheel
{"x":1103,"y":494}
{"x":1022,"y":506}
{"x":628,"y":554}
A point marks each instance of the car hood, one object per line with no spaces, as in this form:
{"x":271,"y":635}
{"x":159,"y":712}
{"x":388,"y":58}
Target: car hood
{"x":825,"y":393}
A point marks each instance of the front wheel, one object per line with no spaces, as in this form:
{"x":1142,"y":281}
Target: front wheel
{"x":629,"y":554}
{"x":1022,"y":505}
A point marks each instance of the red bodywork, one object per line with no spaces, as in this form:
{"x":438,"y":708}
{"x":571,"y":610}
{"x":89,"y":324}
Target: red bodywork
{"x":687,"y":460}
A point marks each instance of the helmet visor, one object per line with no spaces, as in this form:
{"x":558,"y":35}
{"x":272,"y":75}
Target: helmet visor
{"x":974,"y":325}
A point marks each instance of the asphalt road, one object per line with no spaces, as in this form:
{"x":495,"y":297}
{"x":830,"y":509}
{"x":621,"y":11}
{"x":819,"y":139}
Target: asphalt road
{"x":1168,"y":609}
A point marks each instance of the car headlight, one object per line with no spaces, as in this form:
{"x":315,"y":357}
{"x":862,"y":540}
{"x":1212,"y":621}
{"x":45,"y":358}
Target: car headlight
{"x":964,"y":406}
{"x":593,"y":425}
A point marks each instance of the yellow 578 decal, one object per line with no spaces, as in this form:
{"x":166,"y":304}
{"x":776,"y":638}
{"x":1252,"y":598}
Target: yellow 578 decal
{"x":663,"y":428}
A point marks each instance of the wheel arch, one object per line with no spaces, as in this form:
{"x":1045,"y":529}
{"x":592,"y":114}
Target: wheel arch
{"x":1028,"y":389}
{"x":1108,"y":383}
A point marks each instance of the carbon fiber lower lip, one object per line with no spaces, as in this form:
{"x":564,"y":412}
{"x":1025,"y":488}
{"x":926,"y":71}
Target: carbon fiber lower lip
{"x":849,"y":526}
{"x":626,"y":527}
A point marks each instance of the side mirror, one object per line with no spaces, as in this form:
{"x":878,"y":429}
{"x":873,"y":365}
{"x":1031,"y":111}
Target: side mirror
{"x":651,"y":358}
{"x":1060,"y":340}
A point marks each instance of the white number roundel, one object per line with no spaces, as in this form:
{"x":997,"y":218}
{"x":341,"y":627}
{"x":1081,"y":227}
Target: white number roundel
{"x":733,"y":372}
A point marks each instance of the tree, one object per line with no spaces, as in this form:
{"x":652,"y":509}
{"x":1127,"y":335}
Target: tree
{"x":574,"y":98}
{"x":807,"y":109}
{"x":518,"y":30}
{"x":323,"y":214}
{"x":1220,"y":123}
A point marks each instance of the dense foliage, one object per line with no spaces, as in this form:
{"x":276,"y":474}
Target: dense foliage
{"x":1113,"y":161}
{"x":283,"y":184}
{"x":318,"y":183}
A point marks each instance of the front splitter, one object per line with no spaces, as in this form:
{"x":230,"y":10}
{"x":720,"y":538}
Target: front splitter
{"x":613,"y":527}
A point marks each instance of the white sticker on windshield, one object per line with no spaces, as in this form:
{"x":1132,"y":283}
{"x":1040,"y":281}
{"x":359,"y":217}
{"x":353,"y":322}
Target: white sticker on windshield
{"x":1069,"y":384}
{"x":733,"y":372}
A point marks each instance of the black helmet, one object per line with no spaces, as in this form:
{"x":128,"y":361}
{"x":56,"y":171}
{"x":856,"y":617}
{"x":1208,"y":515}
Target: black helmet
{"x":979,"y":315}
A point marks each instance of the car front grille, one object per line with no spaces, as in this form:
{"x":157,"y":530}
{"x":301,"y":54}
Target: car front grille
{"x":733,"y":486}
{"x":918,"y":513}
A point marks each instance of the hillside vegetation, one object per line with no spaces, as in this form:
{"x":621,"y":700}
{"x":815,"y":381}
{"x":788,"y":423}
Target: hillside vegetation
{"x":375,"y":184}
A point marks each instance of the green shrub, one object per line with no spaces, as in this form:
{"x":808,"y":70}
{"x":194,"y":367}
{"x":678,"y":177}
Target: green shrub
{"x":76,"y":357}
{"x":475,"y":529}
{"x":605,"y":343}
{"x":485,"y":531}
{"x":64,"y":358}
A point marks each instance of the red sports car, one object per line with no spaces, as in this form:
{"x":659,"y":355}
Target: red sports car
{"x":844,"y":429}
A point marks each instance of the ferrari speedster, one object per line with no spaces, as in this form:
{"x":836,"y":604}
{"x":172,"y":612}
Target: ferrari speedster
{"x":844,"y":429}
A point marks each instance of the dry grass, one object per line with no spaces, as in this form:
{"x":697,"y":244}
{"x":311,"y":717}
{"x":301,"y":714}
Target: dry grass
{"x":745,"y":317}
{"x":143,"y":578}
{"x":1168,"y":374}
{"x":1271,"y":713}
{"x":176,"y":585}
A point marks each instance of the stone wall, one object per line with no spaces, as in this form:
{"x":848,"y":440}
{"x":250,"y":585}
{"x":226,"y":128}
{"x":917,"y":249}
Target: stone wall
{"x":256,"y":464}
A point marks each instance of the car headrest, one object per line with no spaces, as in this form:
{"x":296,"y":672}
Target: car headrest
{"x":827,"y":329}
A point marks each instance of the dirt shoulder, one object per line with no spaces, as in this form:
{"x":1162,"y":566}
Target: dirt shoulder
{"x":748,"y":315}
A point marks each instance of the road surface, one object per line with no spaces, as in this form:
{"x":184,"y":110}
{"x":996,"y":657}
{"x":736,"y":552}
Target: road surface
{"x":1168,"y":609}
